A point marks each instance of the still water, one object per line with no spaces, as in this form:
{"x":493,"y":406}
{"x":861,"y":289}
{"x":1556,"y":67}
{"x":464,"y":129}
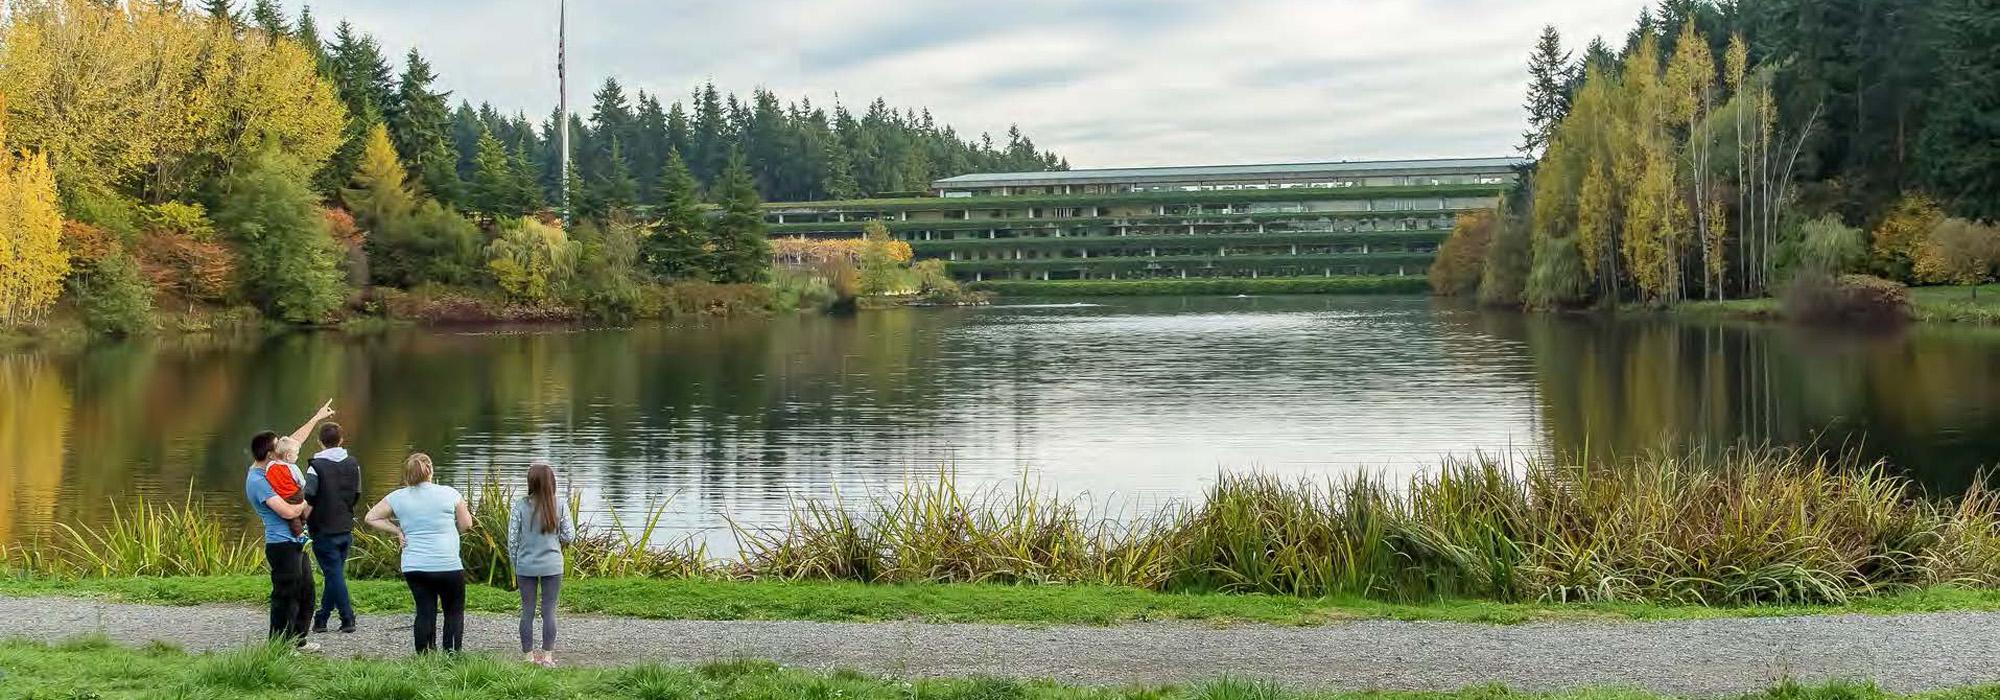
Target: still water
{"x":1128,"y":403}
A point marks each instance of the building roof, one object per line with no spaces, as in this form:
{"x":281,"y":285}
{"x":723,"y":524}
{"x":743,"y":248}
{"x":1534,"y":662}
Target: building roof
{"x":1184,"y":173}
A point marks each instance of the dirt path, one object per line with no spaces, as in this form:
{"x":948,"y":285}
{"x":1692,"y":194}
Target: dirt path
{"x":1700,"y":657}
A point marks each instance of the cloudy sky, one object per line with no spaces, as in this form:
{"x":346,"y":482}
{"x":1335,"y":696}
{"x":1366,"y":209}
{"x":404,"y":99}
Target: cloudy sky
{"x":1105,"y":82}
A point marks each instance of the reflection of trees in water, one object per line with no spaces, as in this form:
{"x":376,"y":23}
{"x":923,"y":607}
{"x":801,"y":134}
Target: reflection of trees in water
{"x":34,"y":420}
{"x":1925,"y":403}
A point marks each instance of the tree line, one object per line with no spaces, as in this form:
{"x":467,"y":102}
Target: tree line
{"x":160,"y":152}
{"x":1725,"y":148}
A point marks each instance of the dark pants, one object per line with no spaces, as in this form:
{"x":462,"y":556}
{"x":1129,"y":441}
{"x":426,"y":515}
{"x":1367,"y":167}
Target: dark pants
{"x":291,"y":591}
{"x":331,"y":551}
{"x":433,"y":589}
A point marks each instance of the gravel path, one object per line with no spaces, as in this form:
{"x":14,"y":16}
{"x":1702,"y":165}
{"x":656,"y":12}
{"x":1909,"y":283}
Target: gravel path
{"x":1700,"y":657}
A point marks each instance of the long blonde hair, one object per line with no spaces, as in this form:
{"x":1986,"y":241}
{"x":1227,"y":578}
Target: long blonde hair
{"x":416,"y":469}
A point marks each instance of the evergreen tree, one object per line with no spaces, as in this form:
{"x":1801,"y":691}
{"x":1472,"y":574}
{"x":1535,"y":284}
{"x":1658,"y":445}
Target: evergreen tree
{"x":710,"y":145}
{"x":266,"y":15}
{"x":496,"y":187}
{"x":1961,"y":140}
{"x":615,"y":190}
{"x":1548,"y":91}
{"x":837,"y":177}
{"x":420,"y":127}
{"x":676,"y":249}
{"x":222,"y":11}
{"x":361,"y":77}
{"x":307,"y":32}
{"x":739,"y":251}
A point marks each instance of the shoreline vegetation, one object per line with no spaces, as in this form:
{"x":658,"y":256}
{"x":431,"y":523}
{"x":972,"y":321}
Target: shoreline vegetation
{"x":1723,"y":529}
{"x":91,"y":667}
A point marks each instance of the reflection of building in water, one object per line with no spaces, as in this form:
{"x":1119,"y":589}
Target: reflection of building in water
{"x":34,"y":421}
{"x":1301,"y":219}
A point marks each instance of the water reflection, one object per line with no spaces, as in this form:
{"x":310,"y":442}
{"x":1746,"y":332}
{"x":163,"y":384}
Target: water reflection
{"x":1125,"y":401}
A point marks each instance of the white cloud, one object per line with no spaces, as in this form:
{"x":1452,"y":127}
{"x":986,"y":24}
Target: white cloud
{"x":1104,"y":82}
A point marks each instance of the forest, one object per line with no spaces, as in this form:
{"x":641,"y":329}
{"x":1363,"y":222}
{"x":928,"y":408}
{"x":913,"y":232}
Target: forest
{"x":160,"y":156}
{"x":1748,"y":149}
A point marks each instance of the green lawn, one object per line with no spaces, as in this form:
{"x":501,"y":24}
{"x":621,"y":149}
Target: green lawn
{"x":94,"y":669}
{"x":1956,"y":304}
{"x":842,"y":601}
{"x":1929,"y":304}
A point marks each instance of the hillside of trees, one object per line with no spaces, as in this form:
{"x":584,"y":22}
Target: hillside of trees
{"x":1725,"y":149}
{"x":166,"y":155}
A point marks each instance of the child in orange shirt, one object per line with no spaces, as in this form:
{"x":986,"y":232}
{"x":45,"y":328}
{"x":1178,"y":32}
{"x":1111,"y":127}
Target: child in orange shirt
{"x":286,"y":480}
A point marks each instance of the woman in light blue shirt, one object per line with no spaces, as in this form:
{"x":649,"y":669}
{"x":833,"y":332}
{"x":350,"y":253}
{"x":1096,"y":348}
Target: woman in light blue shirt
{"x":428,"y":518}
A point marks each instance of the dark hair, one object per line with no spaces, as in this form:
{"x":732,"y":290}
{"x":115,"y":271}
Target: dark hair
{"x":542,"y":493}
{"x":329,"y":434}
{"x":262,"y":444}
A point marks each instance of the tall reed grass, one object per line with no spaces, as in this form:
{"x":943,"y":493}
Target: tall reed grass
{"x":1745,"y":526}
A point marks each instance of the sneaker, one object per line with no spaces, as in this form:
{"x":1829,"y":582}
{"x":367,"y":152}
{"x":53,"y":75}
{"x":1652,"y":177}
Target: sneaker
{"x":309,"y":648}
{"x":319,"y":627}
{"x":347,"y":627}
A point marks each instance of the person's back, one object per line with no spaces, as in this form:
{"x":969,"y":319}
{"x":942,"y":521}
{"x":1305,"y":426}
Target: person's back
{"x":428,"y":515}
{"x":339,"y":491}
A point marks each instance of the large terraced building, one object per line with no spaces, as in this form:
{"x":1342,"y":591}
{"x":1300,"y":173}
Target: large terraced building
{"x":1290,"y":220}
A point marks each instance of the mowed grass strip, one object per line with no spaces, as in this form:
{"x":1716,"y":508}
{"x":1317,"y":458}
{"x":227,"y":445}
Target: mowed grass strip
{"x":95,"y":668}
{"x":840,"y":601}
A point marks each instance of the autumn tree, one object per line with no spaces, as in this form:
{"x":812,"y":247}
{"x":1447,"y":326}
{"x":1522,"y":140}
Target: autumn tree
{"x":1959,"y":251}
{"x":1462,"y":258}
{"x":1899,"y":239}
{"x":32,"y":261}
{"x":879,"y":268}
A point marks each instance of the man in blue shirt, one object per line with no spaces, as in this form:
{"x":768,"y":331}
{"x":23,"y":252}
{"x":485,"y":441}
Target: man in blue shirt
{"x":291,"y":576}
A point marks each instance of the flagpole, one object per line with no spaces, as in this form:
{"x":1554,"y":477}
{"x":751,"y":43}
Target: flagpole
{"x":562,"y":101}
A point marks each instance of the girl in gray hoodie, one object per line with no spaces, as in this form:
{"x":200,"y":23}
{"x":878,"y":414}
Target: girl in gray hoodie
{"x":536,"y":532}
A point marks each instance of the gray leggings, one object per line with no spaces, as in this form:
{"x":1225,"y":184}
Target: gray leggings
{"x":549,"y":587}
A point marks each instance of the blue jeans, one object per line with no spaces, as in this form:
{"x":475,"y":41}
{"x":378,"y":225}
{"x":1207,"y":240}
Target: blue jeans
{"x":331,"y":551}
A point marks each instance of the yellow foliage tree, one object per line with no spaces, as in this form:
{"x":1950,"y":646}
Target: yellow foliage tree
{"x":1958,"y":251}
{"x":115,"y":91}
{"x":32,"y":261}
{"x":1899,"y":240}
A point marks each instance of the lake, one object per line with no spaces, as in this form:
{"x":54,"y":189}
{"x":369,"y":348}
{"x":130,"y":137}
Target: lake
{"x":1129,"y":403}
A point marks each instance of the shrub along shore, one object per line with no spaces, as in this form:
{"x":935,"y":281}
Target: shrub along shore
{"x":1742,"y":527}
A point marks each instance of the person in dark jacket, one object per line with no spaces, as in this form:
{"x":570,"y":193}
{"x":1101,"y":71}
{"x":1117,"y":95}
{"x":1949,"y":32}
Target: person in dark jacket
{"x":332,"y":523}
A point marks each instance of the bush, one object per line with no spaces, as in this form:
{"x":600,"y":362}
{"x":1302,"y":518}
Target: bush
{"x":115,"y":300}
{"x":1461,"y":261}
{"x":1957,"y":251}
{"x":1846,"y":300}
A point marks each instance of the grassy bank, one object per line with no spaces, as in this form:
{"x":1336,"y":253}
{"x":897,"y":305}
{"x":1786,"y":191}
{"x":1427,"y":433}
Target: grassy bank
{"x":1745,"y":527}
{"x":844,"y":601}
{"x":1927,"y":304}
{"x":94,"y":668}
{"x":1363,"y":284}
